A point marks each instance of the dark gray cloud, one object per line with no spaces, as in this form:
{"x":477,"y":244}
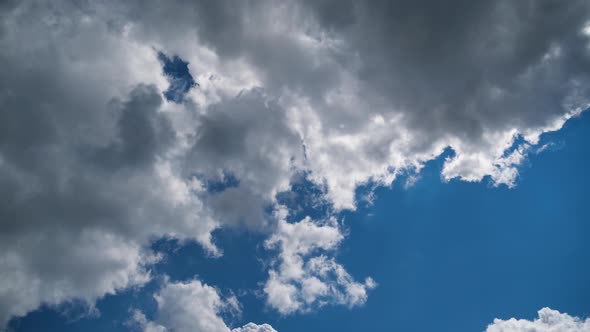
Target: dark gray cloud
{"x":239,"y":206}
{"x":142,"y":132}
{"x":248,"y":135}
{"x":468,"y":66}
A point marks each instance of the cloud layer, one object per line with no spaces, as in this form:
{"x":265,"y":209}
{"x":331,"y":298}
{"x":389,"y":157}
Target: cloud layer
{"x":95,"y":164}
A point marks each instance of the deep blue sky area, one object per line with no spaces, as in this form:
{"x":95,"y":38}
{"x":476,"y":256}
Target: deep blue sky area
{"x":179,"y":77}
{"x":447,"y":256}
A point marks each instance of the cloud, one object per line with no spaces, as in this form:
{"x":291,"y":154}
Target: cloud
{"x":303,"y":279}
{"x":191,"y":307}
{"x":251,"y":327}
{"x":428,"y":78}
{"x":549,"y":321}
{"x":95,"y":164}
{"x":85,"y":181}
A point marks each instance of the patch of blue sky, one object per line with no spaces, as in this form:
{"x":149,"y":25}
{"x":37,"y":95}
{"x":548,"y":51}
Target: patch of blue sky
{"x":177,"y":72}
{"x":305,"y":198}
{"x":217,"y":185}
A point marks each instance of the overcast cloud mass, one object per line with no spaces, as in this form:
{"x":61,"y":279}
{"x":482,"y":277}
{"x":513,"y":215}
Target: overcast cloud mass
{"x":103,"y":149}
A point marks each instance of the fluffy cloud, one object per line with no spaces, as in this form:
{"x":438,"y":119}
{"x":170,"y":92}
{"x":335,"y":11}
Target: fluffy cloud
{"x":381,"y":87}
{"x":251,"y":327}
{"x":549,"y":321}
{"x":428,"y":78}
{"x":67,"y":231}
{"x":86,"y":160}
{"x":95,"y":164}
{"x":191,"y":307}
{"x":304,"y":279}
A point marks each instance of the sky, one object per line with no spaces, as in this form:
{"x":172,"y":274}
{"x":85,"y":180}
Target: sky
{"x":265,"y":166}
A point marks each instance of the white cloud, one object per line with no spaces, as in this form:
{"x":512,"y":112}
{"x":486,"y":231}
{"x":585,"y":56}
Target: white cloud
{"x":549,"y":321}
{"x":251,"y":327}
{"x":302,"y":278}
{"x":139,"y":320}
{"x":191,"y":307}
{"x":101,"y":264}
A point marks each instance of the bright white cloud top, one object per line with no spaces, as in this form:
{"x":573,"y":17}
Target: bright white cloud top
{"x":548,"y":321}
{"x":95,"y":164}
{"x":192,"y":307}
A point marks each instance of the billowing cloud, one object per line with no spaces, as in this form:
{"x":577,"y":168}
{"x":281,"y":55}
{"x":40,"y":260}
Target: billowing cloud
{"x":95,"y":163}
{"x":251,"y":327}
{"x":304,"y":278}
{"x":381,"y":87}
{"x":549,"y":321}
{"x":191,"y":307}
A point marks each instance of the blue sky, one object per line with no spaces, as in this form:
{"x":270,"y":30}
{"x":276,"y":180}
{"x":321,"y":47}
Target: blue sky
{"x":330,"y":165}
{"x":447,"y":256}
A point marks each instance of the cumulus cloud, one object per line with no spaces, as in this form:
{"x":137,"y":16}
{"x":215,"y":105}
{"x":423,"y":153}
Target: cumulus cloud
{"x":191,"y":307}
{"x":95,"y":164}
{"x":251,"y":327}
{"x":429,"y":78}
{"x":549,"y":321}
{"x":375,"y":88}
{"x":304,"y":277}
